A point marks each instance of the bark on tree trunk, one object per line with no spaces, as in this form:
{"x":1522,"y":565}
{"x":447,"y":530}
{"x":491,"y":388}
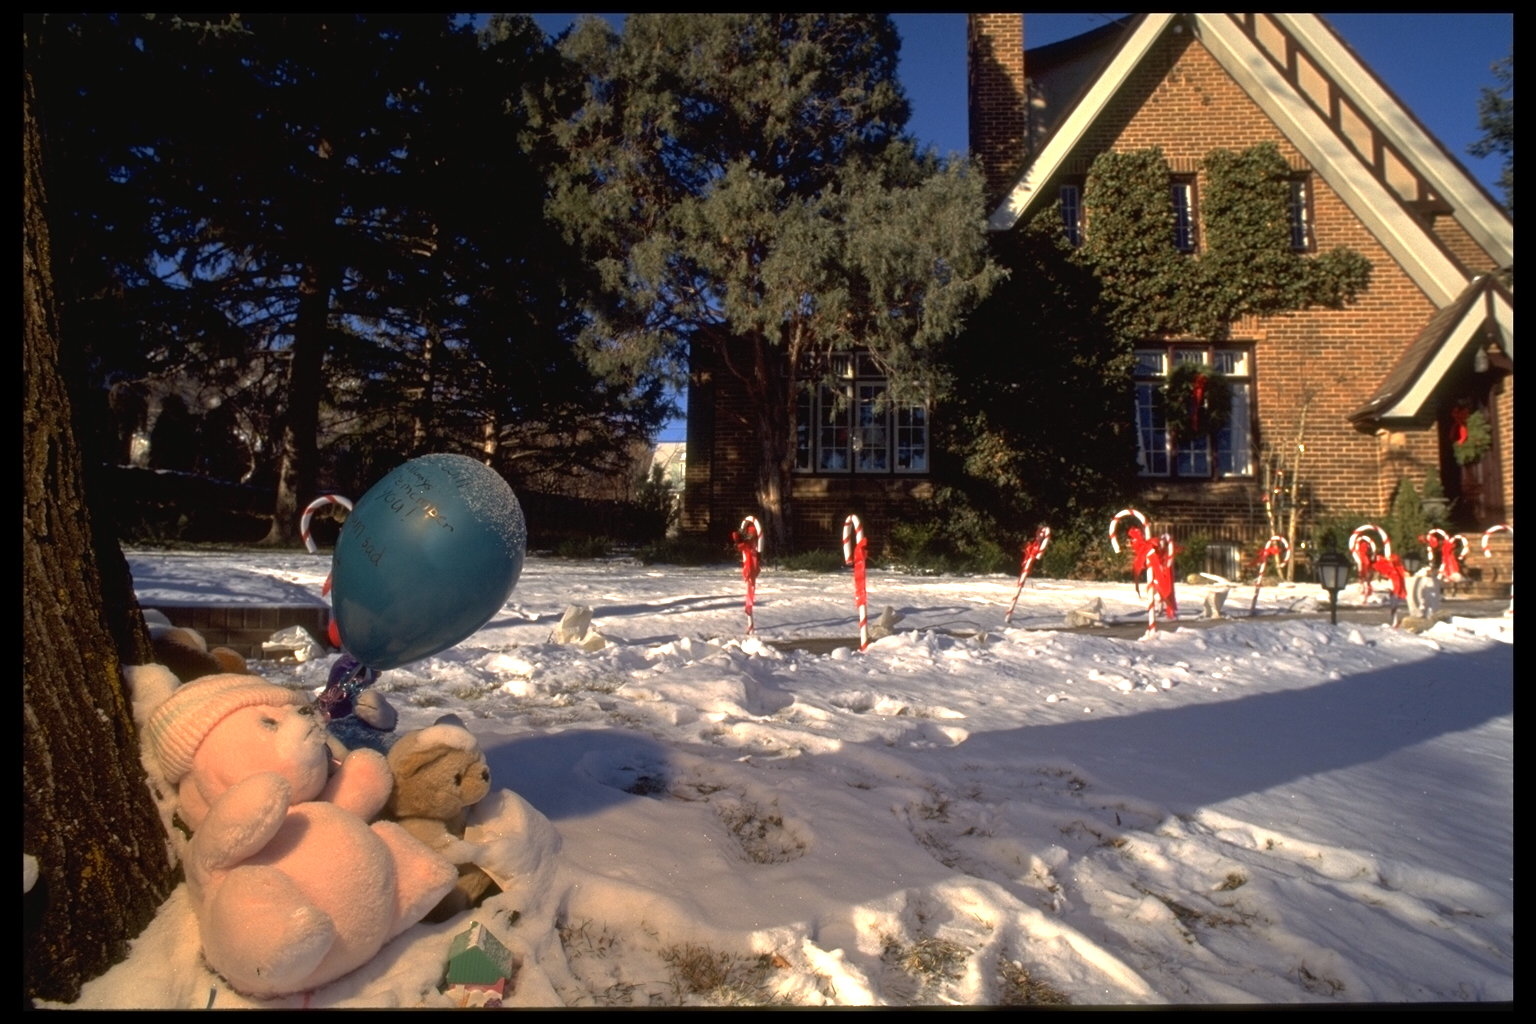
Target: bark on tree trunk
{"x":87,"y":817}
{"x":297,"y":470}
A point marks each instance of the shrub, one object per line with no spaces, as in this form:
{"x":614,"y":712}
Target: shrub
{"x":814,"y":560}
{"x":585,"y":548}
{"x":683,"y":551}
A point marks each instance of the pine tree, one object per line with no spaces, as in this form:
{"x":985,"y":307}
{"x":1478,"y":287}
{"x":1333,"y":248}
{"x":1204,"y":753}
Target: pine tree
{"x":742,"y":184}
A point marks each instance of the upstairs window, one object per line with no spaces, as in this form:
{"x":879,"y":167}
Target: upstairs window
{"x":851,"y":426}
{"x":1071,"y":196}
{"x":1230,"y":452}
{"x":1299,"y":212}
{"x":1182,"y":194}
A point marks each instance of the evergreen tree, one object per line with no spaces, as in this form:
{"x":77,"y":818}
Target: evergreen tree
{"x":743,"y":187}
{"x":1496,"y":117}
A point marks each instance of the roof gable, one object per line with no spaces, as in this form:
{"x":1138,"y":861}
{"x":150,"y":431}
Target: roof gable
{"x":1483,"y":314}
{"x":1329,"y":105}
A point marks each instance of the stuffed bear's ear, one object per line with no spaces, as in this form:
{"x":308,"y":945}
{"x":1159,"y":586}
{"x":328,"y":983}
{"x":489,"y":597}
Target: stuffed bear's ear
{"x":148,"y":687}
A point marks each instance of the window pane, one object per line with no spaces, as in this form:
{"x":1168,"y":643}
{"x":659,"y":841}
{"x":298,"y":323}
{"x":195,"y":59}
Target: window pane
{"x":1194,"y":458}
{"x":1234,"y":445}
{"x":870,"y":441}
{"x":832,"y":433}
{"x":1151,"y":362}
{"x":1183,"y":193}
{"x":1300,"y":217}
{"x":1072,"y":214}
{"x":912,"y":439}
{"x":1231,"y":361}
{"x":1151,"y":432}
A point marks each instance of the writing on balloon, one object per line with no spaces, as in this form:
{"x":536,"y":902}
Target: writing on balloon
{"x":372,"y":551}
{"x":406,"y":497}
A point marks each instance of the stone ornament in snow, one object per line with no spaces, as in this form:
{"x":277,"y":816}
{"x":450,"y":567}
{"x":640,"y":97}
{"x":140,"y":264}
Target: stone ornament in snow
{"x":575,"y":628}
{"x":292,"y":886}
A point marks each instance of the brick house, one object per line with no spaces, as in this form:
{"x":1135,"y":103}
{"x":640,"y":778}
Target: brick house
{"x":1396,"y":372}
{"x":1393,"y":375}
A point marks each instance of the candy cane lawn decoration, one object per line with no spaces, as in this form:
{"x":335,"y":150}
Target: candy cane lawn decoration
{"x":748,"y":539}
{"x":855,"y":549}
{"x":1278,"y":548}
{"x":1151,"y":560}
{"x":1487,"y":535}
{"x":1377,"y":559}
{"x":1444,"y":554}
{"x":332,"y":634}
{"x":1032,"y":552}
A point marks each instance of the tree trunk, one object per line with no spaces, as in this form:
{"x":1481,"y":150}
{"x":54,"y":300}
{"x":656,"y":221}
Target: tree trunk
{"x":87,"y":817}
{"x":300,"y":454}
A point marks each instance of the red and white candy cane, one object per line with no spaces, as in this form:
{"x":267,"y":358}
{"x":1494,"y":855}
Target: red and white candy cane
{"x":855,"y":549}
{"x":1488,"y":535}
{"x":1159,"y":568}
{"x":1032,"y":552}
{"x":1368,"y":545}
{"x":748,"y":539}
{"x":1278,"y":548}
{"x":1114,"y":525}
{"x":1444,"y":554}
{"x":309,"y":542}
{"x":311,"y":509}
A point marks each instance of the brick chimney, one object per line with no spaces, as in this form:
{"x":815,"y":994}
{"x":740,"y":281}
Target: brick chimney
{"x":998,"y":111}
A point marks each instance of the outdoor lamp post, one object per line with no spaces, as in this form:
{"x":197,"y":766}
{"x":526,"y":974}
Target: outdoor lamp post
{"x":1412,"y":563}
{"x":1333,"y":574}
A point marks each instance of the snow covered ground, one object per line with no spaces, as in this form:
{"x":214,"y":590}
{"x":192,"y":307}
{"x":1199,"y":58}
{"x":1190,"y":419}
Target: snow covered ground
{"x":1271,"y":810}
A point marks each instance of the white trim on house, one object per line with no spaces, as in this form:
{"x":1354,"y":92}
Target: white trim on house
{"x":1495,"y":308}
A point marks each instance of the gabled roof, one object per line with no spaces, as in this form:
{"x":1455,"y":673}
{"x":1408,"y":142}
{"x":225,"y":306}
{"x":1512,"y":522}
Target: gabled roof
{"x":1314,"y":88}
{"x":1484,"y":313}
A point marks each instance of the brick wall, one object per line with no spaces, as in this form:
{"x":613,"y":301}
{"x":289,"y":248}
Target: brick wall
{"x":995,"y":48}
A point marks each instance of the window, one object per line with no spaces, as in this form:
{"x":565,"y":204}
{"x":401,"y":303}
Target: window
{"x":1300,"y":214}
{"x":852,"y":427}
{"x":1230,"y":452}
{"x":1182,"y":191}
{"x":1072,"y":213}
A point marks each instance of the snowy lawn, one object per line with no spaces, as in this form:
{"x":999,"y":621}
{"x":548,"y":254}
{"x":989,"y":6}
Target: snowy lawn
{"x":1269,"y":810}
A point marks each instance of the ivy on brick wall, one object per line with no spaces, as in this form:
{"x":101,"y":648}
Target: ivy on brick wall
{"x":1245,"y":267}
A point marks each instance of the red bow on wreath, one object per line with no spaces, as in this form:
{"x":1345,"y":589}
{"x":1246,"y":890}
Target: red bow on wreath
{"x":1459,"y":416}
{"x":1197,"y":396}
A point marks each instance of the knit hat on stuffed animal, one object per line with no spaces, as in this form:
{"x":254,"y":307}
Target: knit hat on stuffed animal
{"x":178,"y":726}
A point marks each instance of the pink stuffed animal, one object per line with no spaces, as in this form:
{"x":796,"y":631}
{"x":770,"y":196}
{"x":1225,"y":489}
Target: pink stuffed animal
{"x":292,"y":886}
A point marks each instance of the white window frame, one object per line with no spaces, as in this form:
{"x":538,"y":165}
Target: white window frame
{"x":1181,"y":196}
{"x":850,"y":426}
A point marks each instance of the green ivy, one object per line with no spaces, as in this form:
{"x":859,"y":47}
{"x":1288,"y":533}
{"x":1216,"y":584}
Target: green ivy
{"x":1246,"y":266}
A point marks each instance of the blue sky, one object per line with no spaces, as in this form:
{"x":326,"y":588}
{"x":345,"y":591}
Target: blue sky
{"x":1436,"y":64}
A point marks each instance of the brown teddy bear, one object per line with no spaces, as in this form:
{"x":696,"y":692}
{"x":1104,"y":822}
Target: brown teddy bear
{"x":440,"y":772}
{"x":184,"y":651}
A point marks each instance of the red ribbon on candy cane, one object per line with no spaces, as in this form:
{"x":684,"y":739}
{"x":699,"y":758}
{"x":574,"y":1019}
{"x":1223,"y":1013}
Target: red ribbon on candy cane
{"x":1032,"y":552}
{"x":748,"y":539}
{"x":855,"y":549}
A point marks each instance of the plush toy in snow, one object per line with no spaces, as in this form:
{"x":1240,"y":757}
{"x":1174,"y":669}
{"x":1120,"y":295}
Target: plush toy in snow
{"x":440,"y":772}
{"x":184,"y":651}
{"x":291,"y":885}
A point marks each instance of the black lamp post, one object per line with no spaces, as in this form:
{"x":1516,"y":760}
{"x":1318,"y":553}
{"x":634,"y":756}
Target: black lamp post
{"x":1333,"y":574}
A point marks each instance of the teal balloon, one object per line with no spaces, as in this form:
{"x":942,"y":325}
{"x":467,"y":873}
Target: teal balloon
{"x":425,"y":559}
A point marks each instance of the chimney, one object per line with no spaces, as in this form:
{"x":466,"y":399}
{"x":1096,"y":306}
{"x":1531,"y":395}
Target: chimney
{"x":995,"y":58}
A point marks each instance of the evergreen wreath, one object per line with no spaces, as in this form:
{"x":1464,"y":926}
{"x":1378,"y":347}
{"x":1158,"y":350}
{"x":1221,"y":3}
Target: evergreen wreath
{"x":1471,"y":436}
{"x":1196,"y":402}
